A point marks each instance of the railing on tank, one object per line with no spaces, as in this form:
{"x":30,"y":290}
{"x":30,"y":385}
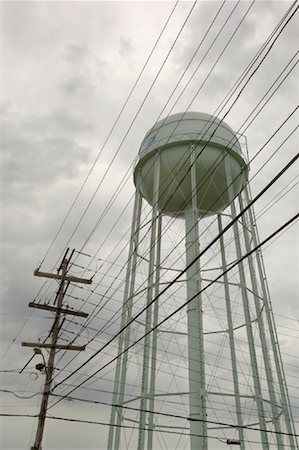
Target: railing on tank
{"x":152,"y":144}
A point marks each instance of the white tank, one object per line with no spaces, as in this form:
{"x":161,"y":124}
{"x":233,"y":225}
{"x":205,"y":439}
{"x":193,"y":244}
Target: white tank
{"x":172,"y":138}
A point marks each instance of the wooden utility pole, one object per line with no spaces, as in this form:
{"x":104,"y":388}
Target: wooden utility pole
{"x":53,"y":346}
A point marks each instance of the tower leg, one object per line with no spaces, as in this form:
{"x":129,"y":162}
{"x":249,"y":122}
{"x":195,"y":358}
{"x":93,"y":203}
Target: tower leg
{"x":231,"y":339}
{"x":247,"y":315}
{"x":262,"y":333}
{"x":197,"y":396}
{"x":272,"y":330}
{"x":152,"y":286}
{"x":154,"y":341}
{"x":121,"y":365}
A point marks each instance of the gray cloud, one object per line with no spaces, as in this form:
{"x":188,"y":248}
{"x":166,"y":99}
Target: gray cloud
{"x":38,"y":151}
{"x":125,"y":47}
{"x":84,"y":71}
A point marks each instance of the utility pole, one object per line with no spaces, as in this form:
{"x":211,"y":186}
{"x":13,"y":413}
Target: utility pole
{"x":53,"y":346}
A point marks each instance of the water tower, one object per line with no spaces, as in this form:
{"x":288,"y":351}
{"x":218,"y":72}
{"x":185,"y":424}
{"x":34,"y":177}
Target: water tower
{"x":208,"y":373}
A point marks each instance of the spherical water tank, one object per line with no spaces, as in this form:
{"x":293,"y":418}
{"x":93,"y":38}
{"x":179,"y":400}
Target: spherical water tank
{"x":172,"y":139}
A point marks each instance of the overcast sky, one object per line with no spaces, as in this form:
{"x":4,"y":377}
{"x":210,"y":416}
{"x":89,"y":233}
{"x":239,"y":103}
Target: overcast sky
{"x":66,"y":71}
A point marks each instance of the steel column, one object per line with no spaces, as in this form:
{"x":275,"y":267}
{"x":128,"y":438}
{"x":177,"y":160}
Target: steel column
{"x":273,"y":335}
{"x":197,"y":394}
{"x":231,"y":338}
{"x":246,"y":309}
{"x":154,"y":340}
{"x":152,"y":283}
{"x":121,"y":365}
{"x":260,"y":322}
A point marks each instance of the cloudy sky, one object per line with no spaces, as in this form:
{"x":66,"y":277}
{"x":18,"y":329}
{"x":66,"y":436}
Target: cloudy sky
{"x":67,"y":69}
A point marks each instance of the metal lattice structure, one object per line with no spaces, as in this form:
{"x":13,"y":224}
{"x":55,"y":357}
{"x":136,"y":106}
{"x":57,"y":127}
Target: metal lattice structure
{"x":208,"y":370}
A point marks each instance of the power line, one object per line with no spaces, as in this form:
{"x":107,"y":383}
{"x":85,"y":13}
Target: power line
{"x":99,"y":154}
{"x":200,"y":255}
{"x":190,"y":61}
{"x":157,"y":75}
{"x":199,"y":44}
{"x":259,"y":111}
{"x":268,"y":91}
{"x":131,"y":124}
{"x":176,"y":416}
{"x":20,"y":396}
{"x":111,"y":130}
{"x":256,"y":156}
{"x":158,"y":413}
{"x":291,"y":7}
{"x":201,"y":61}
{"x":206,"y":78}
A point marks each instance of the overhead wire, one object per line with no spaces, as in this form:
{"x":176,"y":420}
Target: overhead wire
{"x":149,"y":90}
{"x":125,"y":178}
{"x":177,"y":365}
{"x":209,"y":29}
{"x":101,"y":150}
{"x":131,"y":124}
{"x":268,"y":90}
{"x":22,"y":327}
{"x":277,"y":231}
{"x":112,"y":129}
{"x":209,"y":353}
{"x":129,"y":96}
{"x":159,"y":413}
{"x":228,"y":226}
{"x":213,"y":422}
{"x":264,"y":147}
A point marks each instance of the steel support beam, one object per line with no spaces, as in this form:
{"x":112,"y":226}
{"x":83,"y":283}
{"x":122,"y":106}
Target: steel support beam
{"x":246,"y":310}
{"x":231,"y":339}
{"x":262,"y":332}
{"x":152,"y":285}
{"x":289,"y":423}
{"x":121,"y":364}
{"x":197,"y":388}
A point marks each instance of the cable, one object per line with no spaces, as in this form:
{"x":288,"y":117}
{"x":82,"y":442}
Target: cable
{"x":218,"y":59}
{"x":264,"y":97}
{"x":66,"y":419}
{"x":268,"y":91}
{"x":20,"y":396}
{"x":111,"y":130}
{"x":130,"y":126}
{"x":201,"y":86}
{"x":200,"y":255}
{"x":177,"y":416}
{"x":22,"y":327}
{"x":98,"y":156}
{"x":158,"y":73}
{"x":120,"y":187}
{"x":258,"y":153}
